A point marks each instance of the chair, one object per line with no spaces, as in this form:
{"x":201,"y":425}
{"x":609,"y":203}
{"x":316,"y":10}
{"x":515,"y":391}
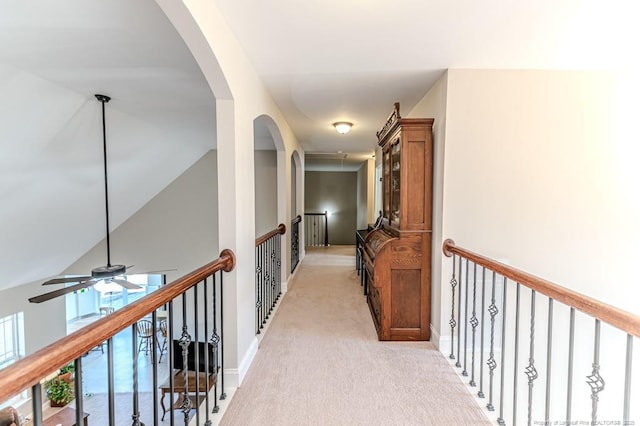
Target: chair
{"x":162,"y":329}
{"x":145,"y":335}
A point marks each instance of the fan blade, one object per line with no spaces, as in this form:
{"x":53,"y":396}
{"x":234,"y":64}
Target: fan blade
{"x":65,"y":280}
{"x":53,"y":294}
{"x":126,"y":284}
{"x":158,"y":271}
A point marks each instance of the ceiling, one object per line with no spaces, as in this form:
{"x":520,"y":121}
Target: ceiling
{"x":350,"y":60}
{"x":322,"y":62}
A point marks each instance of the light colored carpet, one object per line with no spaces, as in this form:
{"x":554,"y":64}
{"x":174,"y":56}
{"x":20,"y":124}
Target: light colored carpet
{"x":320,"y":362}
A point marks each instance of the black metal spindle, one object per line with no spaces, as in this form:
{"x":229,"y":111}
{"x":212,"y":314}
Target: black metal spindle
{"x":154,"y":362}
{"x":185,"y":340}
{"x":530,"y":371}
{"x":595,"y":380}
{"x":491,"y":362}
{"x":503,"y":350}
{"x":515,"y":359}
{"x":223,"y":395}
{"x":36,"y":404}
{"x":135,"y":415}
{"x":547,"y":402}
{"x":474,"y":325}
{"x":482,"y":317}
{"x":627,"y":381}
{"x":452,"y":321}
{"x":258,"y":278}
{"x":207,"y":360}
{"x":196,"y":352}
{"x":111,"y":382}
{"x":214,"y":340}
{"x":459,"y":313}
{"x":466,"y":315}
{"x":572,"y":321}
{"x":171,"y":359}
{"x":78,"y":390}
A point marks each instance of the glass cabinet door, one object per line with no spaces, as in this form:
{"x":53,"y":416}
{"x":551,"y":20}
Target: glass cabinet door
{"x":385,"y":183}
{"x":395,"y":181}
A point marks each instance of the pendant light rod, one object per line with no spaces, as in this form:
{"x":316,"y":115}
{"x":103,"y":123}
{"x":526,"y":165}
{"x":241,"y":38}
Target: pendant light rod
{"x":104,"y":99}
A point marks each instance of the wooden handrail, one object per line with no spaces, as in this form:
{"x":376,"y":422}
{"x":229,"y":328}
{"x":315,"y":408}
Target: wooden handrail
{"x":623,"y":320}
{"x":30,"y":370}
{"x":316,"y":214}
{"x":296,"y":219}
{"x":281,"y":229}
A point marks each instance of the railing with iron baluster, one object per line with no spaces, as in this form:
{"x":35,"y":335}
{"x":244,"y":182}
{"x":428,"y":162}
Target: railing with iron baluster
{"x":550,"y":329}
{"x":30,"y":372}
{"x":295,"y":242}
{"x":268,"y":274}
{"x":316,"y":229}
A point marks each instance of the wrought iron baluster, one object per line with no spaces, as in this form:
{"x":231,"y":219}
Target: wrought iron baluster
{"x":530,"y":371}
{"x":223,"y":395}
{"x":627,"y":381}
{"x":515,"y":360}
{"x":572,"y":321}
{"x":279,"y":266}
{"x":214,"y":340}
{"x":482,"y":317}
{"x":36,"y":404}
{"x":135,"y":415}
{"x":491,"y":362}
{"x":171,"y":360}
{"x":595,"y":380}
{"x":196,"y":349}
{"x":207,"y":360}
{"x":185,"y":340}
{"x":77,"y":365}
{"x":154,"y":362}
{"x":503,"y":350}
{"x":258,"y":278}
{"x":474,"y":325}
{"x":547,"y":404}
{"x":466,"y":315}
{"x":459,"y":311}
{"x":111,"y":382}
{"x":452,"y":321}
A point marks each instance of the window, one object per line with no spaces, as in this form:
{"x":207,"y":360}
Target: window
{"x":12,"y":345}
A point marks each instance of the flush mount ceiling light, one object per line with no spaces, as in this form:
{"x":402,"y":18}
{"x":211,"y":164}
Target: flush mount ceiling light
{"x":342,"y":127}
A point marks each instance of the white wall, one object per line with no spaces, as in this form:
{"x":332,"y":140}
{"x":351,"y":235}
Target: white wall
{"x":539,"y":171}
{"x":240,"y":98}
{"x":434,"y":105}
{"x":266,"y":191}
{"x":178,"y":228}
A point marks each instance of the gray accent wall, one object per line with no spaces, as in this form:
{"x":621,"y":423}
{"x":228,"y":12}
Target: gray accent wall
{"x":335,"y":192}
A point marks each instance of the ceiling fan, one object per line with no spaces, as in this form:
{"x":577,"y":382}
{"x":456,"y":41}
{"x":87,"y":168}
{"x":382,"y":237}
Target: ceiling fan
{"x":108,"y":273}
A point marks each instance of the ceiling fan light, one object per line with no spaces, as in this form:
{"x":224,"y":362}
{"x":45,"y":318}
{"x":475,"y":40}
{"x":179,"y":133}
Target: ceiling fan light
{"x":342,"y":127}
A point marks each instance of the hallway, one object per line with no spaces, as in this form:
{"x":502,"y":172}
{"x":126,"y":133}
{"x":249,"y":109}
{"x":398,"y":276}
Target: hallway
{"x":320,"y":362}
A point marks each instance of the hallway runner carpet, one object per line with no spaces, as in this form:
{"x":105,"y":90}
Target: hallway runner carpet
{"x":320,"y":362}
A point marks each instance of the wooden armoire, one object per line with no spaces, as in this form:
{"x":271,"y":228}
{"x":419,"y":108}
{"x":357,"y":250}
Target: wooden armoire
{"x":397,"y":256}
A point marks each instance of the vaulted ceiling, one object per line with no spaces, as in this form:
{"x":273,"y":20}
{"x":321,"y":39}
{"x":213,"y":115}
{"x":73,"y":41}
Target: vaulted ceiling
{"x":322,"y":62}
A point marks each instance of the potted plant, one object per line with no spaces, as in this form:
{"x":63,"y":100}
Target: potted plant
{"x":59,"y":392}
{"x":66,"y":372}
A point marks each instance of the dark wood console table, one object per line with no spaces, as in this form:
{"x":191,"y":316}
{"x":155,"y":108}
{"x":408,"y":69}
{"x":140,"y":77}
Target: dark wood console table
{"x":65,"y":417}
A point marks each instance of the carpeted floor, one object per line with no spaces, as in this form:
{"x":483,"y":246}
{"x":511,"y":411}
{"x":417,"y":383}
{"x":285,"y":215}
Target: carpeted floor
{"x":320,"y":362}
